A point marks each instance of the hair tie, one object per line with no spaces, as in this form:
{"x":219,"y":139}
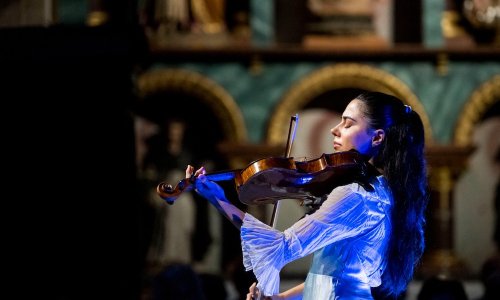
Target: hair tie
{"x":407,"y":109}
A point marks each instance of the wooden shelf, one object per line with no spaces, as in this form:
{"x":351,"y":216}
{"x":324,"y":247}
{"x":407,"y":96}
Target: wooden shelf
{"x":220,"y":50}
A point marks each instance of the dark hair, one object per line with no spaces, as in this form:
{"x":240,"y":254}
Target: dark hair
{"x":401,"y":156}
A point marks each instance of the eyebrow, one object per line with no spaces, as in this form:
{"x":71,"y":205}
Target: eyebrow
{"x":350,"y":118}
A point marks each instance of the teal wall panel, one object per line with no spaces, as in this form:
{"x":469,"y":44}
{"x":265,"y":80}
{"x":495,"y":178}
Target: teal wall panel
{"x":431,"y":15}
{"x":72,"y":12}
{"x":443,"y":96}
{"x":256,"y":94}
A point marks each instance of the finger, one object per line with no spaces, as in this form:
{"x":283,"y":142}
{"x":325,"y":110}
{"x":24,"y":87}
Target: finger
{"x":200,"y":171}
{"x":189,"y":171}
{"x":201,"y":178}
{"x":252,"y":287}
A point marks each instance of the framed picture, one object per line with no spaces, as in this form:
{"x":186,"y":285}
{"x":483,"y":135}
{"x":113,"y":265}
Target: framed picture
{"x":350,"y":23}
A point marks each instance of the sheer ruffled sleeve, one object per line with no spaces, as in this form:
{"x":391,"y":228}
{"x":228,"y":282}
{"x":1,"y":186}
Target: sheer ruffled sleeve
{"x":262,"y":248}
{"x":266,"y":250}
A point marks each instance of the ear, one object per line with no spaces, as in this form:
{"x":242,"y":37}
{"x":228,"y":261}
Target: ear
{"x":378,"y":137}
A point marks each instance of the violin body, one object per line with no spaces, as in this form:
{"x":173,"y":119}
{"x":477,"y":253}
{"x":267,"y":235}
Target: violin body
{"x":303,"y":179}
{"x":271,"y":179}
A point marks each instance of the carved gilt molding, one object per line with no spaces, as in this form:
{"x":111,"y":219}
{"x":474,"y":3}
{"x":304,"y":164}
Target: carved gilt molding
{"x":340,"y":76}
{"x":201,"y":87}
{"x":479,"y":102}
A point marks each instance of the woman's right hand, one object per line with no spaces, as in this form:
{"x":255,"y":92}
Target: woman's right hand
{"x":254,"y":294}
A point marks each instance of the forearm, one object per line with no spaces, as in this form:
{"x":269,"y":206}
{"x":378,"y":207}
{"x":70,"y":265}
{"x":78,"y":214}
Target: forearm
{"x":294,"y":293}
{"x":227,"y":209}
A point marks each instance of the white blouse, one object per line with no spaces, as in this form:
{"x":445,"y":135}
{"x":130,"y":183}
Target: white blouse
{"x":348,"y":235}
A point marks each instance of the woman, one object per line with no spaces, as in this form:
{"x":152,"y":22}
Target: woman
{"x":361,"y":238}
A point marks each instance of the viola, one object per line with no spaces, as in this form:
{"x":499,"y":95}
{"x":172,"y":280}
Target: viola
{"x":271,"y":179}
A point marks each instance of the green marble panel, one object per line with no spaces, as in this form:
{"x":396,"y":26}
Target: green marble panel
{"x":443,"y":96}
{"x":72,"y":12}
{"x":256,"y":94}
{"x":432,"y":11}
{"x":262,"y":21}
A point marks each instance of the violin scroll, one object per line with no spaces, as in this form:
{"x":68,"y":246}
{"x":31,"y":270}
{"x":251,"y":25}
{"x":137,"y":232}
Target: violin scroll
{"x":170,"y":194}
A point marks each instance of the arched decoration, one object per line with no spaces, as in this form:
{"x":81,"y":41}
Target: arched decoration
{"x":201,"y":87}
{"x":339,"y":76}
{"x":475,"y":189}
{"x":479,"y":102}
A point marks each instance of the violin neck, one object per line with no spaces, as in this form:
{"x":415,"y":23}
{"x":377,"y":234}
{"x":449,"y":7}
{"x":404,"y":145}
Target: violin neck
{"x":221,"y":176}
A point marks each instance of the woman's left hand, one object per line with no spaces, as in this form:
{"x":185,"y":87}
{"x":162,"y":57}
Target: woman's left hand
{"x":215,"y":194}
{"x":204,"y":187}
{"x":190,"y":171}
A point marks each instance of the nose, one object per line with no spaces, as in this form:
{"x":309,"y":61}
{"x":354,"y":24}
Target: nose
{"x":335,"y":130}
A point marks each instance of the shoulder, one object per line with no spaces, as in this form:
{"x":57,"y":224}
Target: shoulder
{"x":377,"y":188}
{"x":348,"y":193}
{"x":345,"y":201}
{"x":350,"y":189}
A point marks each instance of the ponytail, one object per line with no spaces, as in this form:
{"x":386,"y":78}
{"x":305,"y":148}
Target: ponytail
{"x":402,"y":158}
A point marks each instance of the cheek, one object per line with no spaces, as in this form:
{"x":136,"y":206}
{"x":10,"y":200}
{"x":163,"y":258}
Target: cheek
{"x":363,"y":144}
{"x":350,"y":141}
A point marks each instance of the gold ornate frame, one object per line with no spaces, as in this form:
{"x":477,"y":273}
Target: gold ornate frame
{"x":479,"y":102}
{"x":208,"y":91}
{"x":210,"y":14}
{"x":342,"y":75}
